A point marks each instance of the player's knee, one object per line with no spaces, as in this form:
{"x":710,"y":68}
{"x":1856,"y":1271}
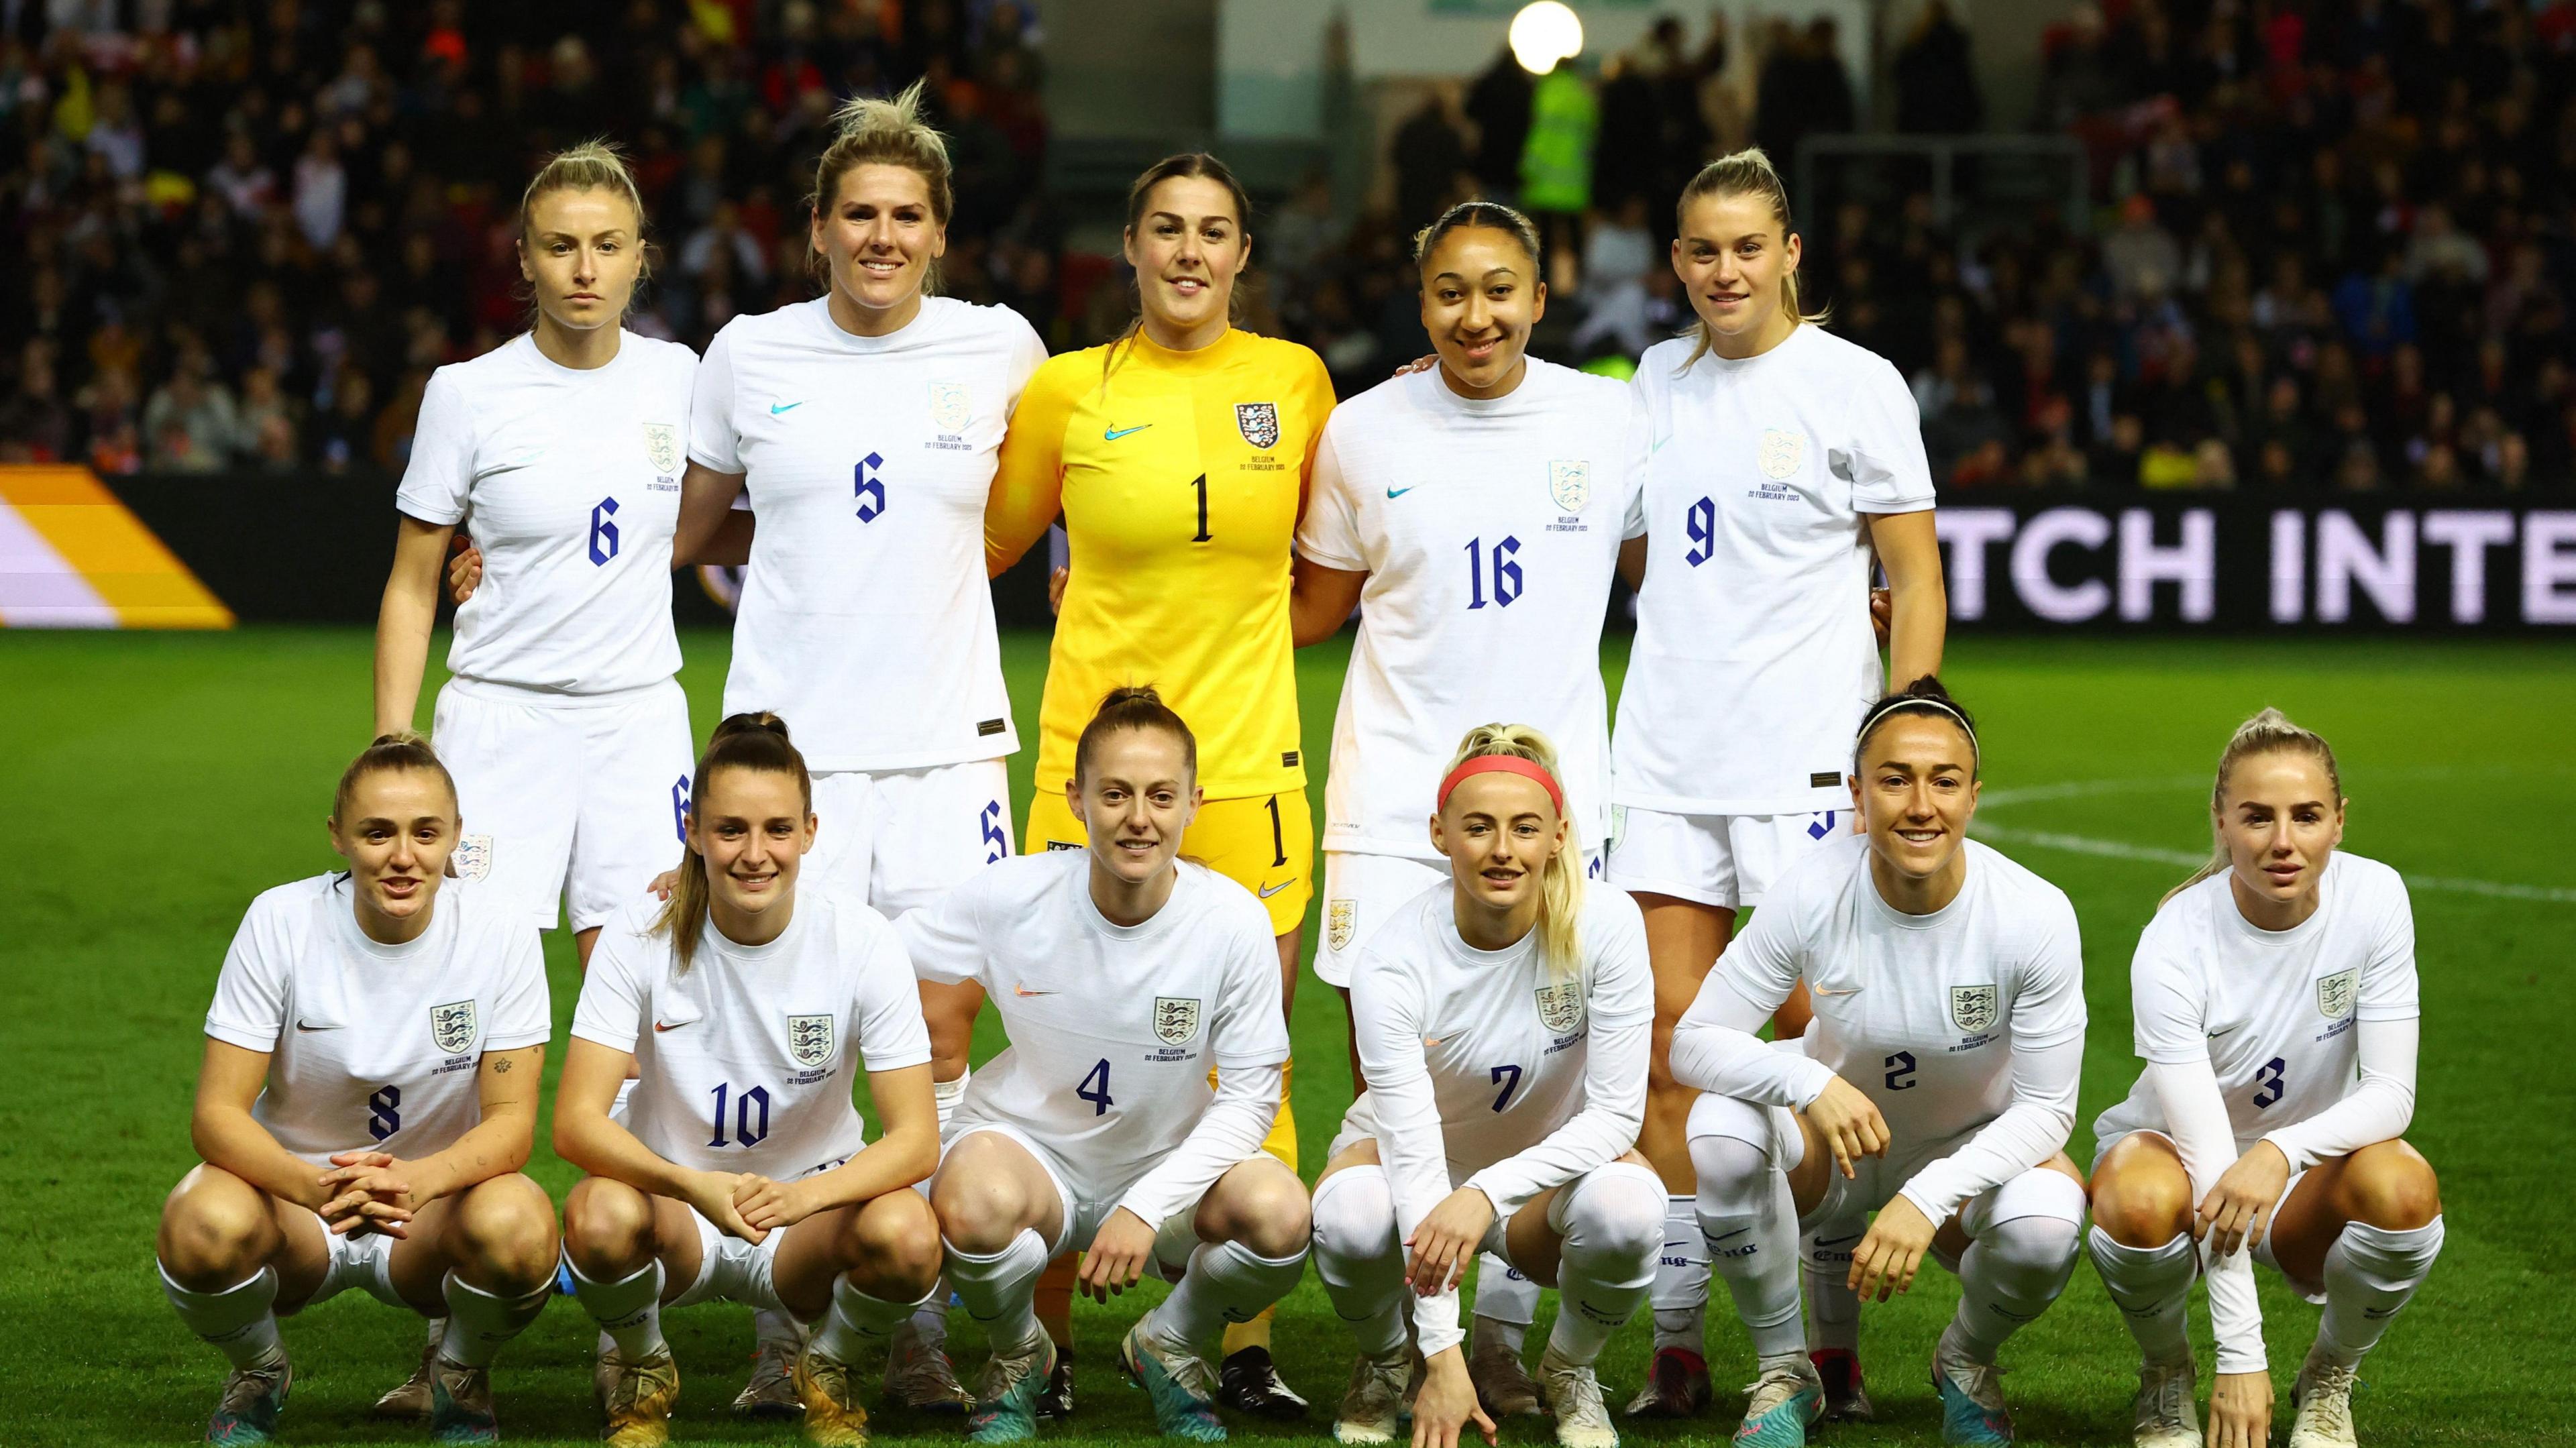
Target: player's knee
{"x":505,"y":1235}
{"x":2141,"y":1200}
{"x":215,"y":1230}
{"x":1269,"y":1215}
{"x":1617,"y":1214}
{"x":607,"y":1229}
{"x":2041,"y":1245}
{"x":2392,"y":1186}
{"x":978,"y":1213}
{"x":1354,"y":1214}
{"x":896,"y":1237}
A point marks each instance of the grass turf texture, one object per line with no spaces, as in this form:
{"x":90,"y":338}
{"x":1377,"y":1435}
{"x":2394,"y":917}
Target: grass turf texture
{"x":157,"y":782}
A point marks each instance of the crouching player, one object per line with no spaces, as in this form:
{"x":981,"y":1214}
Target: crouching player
{"x":746,"y":1010}
{"x":1935,"y":1088}
{"x":1503,"y":1021}
{"x":1122,"y":974}
{"x":368,"y":1096}
{"x":2276,"y":1008}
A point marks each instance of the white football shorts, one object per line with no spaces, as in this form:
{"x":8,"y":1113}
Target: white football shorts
{"x":1728,"y":861}
{"x":901,"y":838}
{"x":563,"y":796}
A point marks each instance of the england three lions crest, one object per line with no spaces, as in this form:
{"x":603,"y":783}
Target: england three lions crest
{"x":950,"y":408}
{"x":1569,"y":484}
{"x":453,"y":1027}
{"x":1259,"y":423}
{"x":1560,"y":1007}
{"x":2335,"y":994}
{"x":1974,"y":1007}
{"x":662,"y":446}
{"x":1782,"y":454}
{"x":1176,"y":1020}
{"x":809,"y":1039}
{"x":472,"y":857}
{"x":1341,"y":919}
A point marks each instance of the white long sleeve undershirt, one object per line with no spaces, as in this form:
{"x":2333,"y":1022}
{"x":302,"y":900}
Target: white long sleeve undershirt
{"x":2196,"y":1117}
{"x":2379,"y":1109}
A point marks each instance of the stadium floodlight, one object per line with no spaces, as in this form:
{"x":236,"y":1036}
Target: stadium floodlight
{"x":1543,"y":34}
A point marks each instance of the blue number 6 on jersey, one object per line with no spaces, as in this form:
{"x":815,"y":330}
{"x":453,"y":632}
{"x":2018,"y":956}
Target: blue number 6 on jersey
{"x":603,"y":533}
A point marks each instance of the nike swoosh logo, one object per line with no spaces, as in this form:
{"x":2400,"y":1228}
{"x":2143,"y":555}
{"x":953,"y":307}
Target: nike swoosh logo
{"x":304,"y":1025}
{"x":776,"y":408}
{"x":668,"y":1025}
{"x":1400,"y":492}
{"x":1738,"y":1232}
{"x":1275,"y":889}
{"x":1813,"y":989}
{"x":1837,"y":1241}
{"x":1024,"y":990}
{"x":1115,"y":433}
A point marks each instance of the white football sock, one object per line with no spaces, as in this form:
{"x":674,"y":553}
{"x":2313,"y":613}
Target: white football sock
{"x":1358,"y":1257}
{"x":628,"y":1310}
{"x":1680,"y":1293}
{"x":1613,"y":1219}
{"x":944,"y":1096}
{"x":2370,"y":1274}
{"x":929,"y":1321}
{"x":856,"y":1322}
{"x":1824,"y":1280}
{"x":478,"y":1322}
{"x":2020,"y":1262}
{"x":779,"y":1326}
{"x":1749,"y":1227}
{"x":1506,"y":1303}
{"x":1000,"y":1291}
{"x":2152,"y":1288}
{"x":236,"y":1322}
{"x":1226,"y":1282}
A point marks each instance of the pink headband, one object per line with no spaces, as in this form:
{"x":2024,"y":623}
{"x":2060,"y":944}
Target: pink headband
{"x":1502,"y":764}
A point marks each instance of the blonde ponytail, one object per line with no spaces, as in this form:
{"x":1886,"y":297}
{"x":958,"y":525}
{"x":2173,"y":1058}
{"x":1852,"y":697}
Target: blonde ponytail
{"x":1748,"y":172}
{"x":2269,"y":732}
{"x":1560,"y":881}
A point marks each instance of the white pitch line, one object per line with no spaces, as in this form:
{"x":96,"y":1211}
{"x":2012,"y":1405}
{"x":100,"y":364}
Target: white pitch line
{"x":2183,"y":859}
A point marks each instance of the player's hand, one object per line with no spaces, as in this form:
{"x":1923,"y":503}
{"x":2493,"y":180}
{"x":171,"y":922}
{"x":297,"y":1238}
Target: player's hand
{"x":1882,"y":613}
{"x":2238,"y":1209}
{"x":2240,"y":1410}
{"x":772,"y":1205}
{"x":1055,"y":589}
{"x":1423,"y":363}
{"x":366,"y":1191}
{"x":1887,"y":1259}
{"x":663,"y":884}
{"x":1850,"y":1124}
{"x":1446,"y":1241}
{"x":712,"y":1194}
{"x":1447,"y":1402}
{"x":464,"y":569}
{"x":1116,"y":1256}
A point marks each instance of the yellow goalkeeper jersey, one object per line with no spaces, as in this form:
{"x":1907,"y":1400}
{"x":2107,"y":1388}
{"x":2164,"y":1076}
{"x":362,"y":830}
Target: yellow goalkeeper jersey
{"x":1180,"y":476}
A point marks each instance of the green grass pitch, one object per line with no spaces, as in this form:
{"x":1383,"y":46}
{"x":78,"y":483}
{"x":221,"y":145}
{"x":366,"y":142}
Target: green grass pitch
{"x":156,"y":782}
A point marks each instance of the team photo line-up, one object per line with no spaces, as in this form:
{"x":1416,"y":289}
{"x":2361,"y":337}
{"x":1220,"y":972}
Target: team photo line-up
{"x":1558,"y":1056}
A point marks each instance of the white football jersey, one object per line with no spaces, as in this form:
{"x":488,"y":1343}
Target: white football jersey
{"x":865,"y":620}
{"x":569,"y":481}
{"x":2271,"y":1011}
{"x":1112,"y":1028}
{"x":746,"y":1061}
{"x":1489,"y":530}
{"x":1921,"y":1012}
{"x":1755,"y":657}
{"x":373,"y":1047}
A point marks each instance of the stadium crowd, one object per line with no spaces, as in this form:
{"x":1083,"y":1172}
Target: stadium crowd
{"x":2332,"y":246}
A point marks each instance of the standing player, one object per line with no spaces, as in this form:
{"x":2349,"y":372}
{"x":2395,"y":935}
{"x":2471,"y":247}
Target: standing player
{"x":1935,"y":1087}
{"x":368,"y":1096}
{"x":1178,"y":457}
{"x":1784,"y":458}
{"x":1123,"y":976}
{"x":746,"y":1008}
{"x":2277,"y":1011}
{"x":1475,"y":509}
{"x":1503,"y":1022}
{"x":864,"y":427}
{"x":561,"y":452}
